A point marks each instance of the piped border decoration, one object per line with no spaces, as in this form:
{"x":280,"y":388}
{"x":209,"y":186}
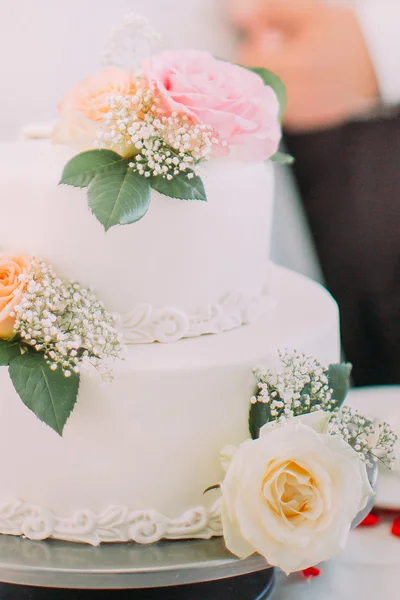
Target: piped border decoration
{"x":114,"y":524}
{"x":146,"y":324}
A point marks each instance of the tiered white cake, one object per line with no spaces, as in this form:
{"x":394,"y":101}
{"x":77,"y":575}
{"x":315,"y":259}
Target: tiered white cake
{"x":137,"y":454}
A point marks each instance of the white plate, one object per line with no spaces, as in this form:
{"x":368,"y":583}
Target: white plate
{"x":382,"y":403}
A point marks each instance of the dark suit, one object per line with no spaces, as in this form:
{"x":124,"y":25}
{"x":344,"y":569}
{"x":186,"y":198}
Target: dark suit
{"x":349,"y":179}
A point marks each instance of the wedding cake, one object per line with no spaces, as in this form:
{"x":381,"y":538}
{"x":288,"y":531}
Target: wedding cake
{"x":181,"y":303}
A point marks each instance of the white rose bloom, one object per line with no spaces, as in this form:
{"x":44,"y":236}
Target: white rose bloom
{"x":292,"y":494}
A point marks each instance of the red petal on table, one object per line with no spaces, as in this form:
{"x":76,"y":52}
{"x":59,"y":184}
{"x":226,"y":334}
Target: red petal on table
{"x":370,"y":520}
{"x":396,"y":527}
{"x":311,"y":572}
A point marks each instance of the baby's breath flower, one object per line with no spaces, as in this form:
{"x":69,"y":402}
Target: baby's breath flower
{"x":302,"y":386}
{"x":385,"y":444}
{"x":65,"y":322}
{"x":372,"y":441}
{"x":160,"y":145}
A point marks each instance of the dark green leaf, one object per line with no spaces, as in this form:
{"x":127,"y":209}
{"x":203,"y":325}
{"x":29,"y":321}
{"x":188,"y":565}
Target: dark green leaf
{"x":212,"y":487}
{"x":180,"y":186}
{"x":82,"y":168}
{"x":49,"y":394}
{"x":8,"y":350}
{"x":339,"y":380}
{"x":282,"y":158}
{"x":277,"y":85}
{"x":259,"y":416}
{"x":119,"y":197}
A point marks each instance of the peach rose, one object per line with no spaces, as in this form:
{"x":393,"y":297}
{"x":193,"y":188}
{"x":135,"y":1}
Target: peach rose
{"x":83,"y":109}
{"x":13,"y":272}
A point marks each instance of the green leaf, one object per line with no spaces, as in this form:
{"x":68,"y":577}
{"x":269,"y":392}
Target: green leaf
{"x":82,"y":168}
{"x":276,"y":84}
{"x":119,"y":197}
{"x":282,"y":158}
{"x":259,"y":416}
{"x":49,"y":394}
{"x":8,"y":350}
{"x":180,"y":186}
{"x":211,"y":488}
{"x":339,"y":380}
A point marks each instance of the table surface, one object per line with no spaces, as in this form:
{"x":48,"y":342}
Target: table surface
{"x":368,"y":569}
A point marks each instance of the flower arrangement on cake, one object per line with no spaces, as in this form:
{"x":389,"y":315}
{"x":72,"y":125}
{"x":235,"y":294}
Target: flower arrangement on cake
{"x":154,"y":127}
{"x":292,"y":491}
{"x":50,"y":331}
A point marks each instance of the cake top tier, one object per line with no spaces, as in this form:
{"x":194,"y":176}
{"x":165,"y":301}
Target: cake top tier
{"x":181,"y":139}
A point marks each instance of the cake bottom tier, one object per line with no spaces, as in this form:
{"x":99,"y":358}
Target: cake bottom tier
{"x":137,"y":454}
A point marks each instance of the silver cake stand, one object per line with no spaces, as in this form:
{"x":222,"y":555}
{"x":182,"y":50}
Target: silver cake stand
{"x":119,"y":566}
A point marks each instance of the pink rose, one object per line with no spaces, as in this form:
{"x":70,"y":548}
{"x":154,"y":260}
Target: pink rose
{"x":13,"y":280}
{"x":229,"y":98}
{"x":83,"y":109}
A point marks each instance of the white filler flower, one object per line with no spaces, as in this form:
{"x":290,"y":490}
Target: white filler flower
{"x":292,"y":494}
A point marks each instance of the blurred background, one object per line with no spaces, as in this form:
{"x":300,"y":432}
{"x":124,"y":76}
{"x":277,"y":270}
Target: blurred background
{"x":47,"y":47}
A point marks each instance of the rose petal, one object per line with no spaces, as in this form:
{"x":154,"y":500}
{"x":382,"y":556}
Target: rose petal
{"x":227,"y":455}
{"x":234,"y":540}
{"x":311,"y":572}
{"x":370,"y":520}
{"x":395,"y":530}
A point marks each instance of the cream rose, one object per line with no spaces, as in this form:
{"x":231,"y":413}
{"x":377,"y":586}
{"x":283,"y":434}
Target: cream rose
{"x":13,"y":272}
{"x":292,"y":494}
{"x":83,"y":109}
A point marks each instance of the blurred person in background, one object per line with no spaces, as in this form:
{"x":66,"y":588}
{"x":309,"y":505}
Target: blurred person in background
{"x":341,"y":65}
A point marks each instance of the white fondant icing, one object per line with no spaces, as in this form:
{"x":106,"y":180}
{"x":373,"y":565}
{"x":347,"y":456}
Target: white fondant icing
{"x":146,"y":324}
{"x":187,"y":255}
{"x":151,"y":439}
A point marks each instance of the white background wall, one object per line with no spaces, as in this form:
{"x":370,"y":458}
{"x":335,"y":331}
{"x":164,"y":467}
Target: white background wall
{"x":48,"y":45}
